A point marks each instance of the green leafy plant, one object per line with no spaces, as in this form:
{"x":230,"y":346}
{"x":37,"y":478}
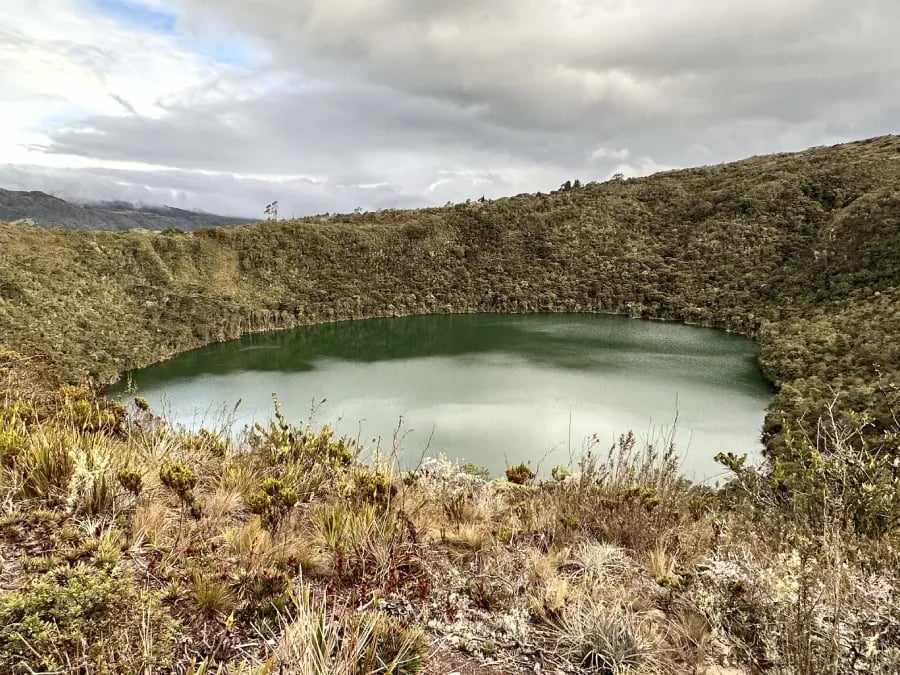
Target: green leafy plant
{"x":181,"y":480}
{"x":83,"y":620}
{"x":272,"y":502}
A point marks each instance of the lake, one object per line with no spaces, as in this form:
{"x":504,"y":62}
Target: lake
{"x":484,"y":388}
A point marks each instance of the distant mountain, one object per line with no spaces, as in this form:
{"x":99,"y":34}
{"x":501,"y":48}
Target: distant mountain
{"x":49,"y":211}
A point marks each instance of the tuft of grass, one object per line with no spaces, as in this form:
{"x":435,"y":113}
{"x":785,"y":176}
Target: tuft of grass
{"x":607,"y":637}
{"x":211,"y":596}
{"x":312,"y":643}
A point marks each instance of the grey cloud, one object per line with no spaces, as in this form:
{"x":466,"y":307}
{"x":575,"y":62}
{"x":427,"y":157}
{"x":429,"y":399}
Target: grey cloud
{"x":408,"y":102}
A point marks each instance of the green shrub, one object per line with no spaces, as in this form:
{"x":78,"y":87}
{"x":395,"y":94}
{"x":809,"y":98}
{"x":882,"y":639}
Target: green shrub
{"x":131,"y":480}
{"x":83,"y":620}
{"x":475,"y":470}
{"x":369,"y":486}
{"x":181,"y":480}
{"x":272,"y":502}
{"x":206,"y":440}
{"x":284,"y":444}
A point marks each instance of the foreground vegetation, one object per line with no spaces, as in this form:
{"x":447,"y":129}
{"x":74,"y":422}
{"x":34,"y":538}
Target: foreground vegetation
{"x":127,"y":546}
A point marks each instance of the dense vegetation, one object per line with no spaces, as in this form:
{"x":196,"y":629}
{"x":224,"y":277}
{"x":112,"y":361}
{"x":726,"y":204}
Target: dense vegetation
{"x":791,"y":567}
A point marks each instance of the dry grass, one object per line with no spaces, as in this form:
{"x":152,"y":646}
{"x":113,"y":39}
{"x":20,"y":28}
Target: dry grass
{"x":611,"y":568}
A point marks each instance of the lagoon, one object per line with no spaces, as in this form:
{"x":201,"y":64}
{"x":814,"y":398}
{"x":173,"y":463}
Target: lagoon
{"x":489,"y":389}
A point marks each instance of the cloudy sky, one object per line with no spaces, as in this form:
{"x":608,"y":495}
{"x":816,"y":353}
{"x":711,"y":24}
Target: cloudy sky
{"x":330,"y":105}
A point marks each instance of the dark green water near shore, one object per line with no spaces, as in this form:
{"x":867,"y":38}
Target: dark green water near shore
{"x":488,"y":389}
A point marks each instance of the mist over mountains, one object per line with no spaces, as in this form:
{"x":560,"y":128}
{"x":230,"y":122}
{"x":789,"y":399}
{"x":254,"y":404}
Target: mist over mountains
{"x":46,"y":210}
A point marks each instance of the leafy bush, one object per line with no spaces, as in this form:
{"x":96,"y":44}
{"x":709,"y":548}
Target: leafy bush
{"x":370,"y":486}
{"x":272,"y":502}
{"x":182,"y":481}
{"x":83,"y":620}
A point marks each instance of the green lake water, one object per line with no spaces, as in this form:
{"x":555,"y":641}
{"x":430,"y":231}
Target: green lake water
{"x":489,"y":389}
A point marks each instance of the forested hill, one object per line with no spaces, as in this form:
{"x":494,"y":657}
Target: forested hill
{"x":49,"y":211}
{"x":800,"y":251}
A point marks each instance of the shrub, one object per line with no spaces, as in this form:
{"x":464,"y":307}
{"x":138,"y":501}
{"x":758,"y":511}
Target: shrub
{"x":475,"y":470}
{"x":520,"y":475}
{"x":181,"y":480}
{"x":131,"y":481}
{"x":372,"y":487}
{"x":206,"y":440}
{"x":272,"y":502}
{"x":284,"y":444}
{"x":83,"y":620}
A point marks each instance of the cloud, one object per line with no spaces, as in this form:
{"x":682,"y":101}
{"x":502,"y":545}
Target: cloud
{"x":382,"y":103}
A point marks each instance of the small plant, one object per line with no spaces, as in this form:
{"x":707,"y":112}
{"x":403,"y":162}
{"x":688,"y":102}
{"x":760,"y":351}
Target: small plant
{"x":284,"y":444}
{"x":46,"y":466}
{"x":475,"y":470}
{"x":263,"y":591}
{"x":131,"y":481}
{"x":206,"y":440}
{"x":142,"y":404}
{"x":392,"y":648}
{"x":372,"y":487}
{"x":181,"y":480}
{"x":211,"y":597}
{"x":520,"y":475}
{"x":560,"y":473}
{"x":489,"y":593}
{"x":12,"y":441}
{"x":272,"y":502}
{"x":607,"y":639}
{"x":89,"y":413}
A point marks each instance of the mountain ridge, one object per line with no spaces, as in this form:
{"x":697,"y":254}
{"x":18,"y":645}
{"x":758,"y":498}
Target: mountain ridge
{"x":46,"y":210}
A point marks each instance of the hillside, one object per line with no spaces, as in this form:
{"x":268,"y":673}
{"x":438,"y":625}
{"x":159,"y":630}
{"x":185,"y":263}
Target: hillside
{"x":49,"y":211}
{"x":798,"y":251}
{"x":621,"y":566}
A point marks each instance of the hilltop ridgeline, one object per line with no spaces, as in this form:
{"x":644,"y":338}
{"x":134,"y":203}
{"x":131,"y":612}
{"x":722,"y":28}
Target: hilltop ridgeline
{"x":799,"y":251}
